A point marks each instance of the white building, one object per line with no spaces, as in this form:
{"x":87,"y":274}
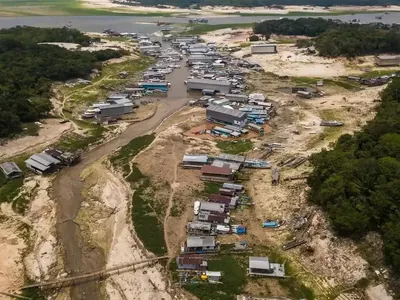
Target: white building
{"x":264,"y":48}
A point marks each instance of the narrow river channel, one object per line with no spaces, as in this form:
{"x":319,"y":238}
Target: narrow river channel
{"x":79,"y":256}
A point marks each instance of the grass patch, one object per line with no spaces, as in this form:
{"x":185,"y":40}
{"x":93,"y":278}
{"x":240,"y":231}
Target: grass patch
{"x":377,"y":73}
{"x":286,"y":41}
{"x":235,"y":147}
{"x":198,"y":29}
{"x":62,"y":7}
{"x":127,"y":152}
{"x":305,"y":80}
{"x":145,"y":211}
{"x":74,"y":142}
{"x":145,"y":219}
{"x":10,"y":189}
{"x":30,"y":129}
{"x":244,"y":45}
{"x":233,"y":280}
{"x":296,"y":290}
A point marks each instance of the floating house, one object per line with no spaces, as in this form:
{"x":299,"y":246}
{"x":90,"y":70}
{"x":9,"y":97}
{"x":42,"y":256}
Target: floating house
{"x":200,"y":244}
{"x":223,"y":115}
{"x":217,"y":174}
{"x":260,"y":266}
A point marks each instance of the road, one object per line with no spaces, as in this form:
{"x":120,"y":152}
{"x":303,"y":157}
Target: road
{"x":79,"y":255}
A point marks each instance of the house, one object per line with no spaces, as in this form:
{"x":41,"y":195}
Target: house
{"x":387,"y":60}
{"x":260,"y":266}
{"x":200,"y":244}
{"x":196,"y":227}
{"x":223,"y":115}
{"x":194,"y":160}
{"x":66,"y":158}
{"x":217,"y":174}
{"x":196,"y":58}
{"x":212,"y":207}
{"x":237,"y":98}
{"x":191,"y":262}
{"x":231,"y":165}
{"x":229,"y":202}
{"x":200,"y":84}
{"x":217,"y":218}
{"x":226,"y":192}
{"x":11,"y":170}
{"x":233,"y":186}
{"x":42,"y":163}
{"x":264,"y":48}
{"x":151,"y":86}
{"x":213,"y":276}
{"x":114,"y":110}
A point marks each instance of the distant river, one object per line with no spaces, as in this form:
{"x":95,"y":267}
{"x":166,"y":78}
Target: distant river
{"x":143,"y":24}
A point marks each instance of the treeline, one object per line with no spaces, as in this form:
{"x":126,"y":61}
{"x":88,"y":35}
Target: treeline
{"x":28,"y":69}
{"x":334,"y":38}
{"x":254,"y":3}
{"x":358,"y":181}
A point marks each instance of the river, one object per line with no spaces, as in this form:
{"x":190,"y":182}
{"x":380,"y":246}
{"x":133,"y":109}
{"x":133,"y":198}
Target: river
{"x":147,"y":24}
{"x":79,"y":256}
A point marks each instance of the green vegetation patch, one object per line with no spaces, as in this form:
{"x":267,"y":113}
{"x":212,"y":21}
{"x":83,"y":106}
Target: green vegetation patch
{"x":29,"y":69}
{"x":125,"y":154}
{"x":233,"y":279}
{"x":145,"y":211}
{"x":333,"y":39}
{"x":199,"y":29}
{"x":235,"y":147}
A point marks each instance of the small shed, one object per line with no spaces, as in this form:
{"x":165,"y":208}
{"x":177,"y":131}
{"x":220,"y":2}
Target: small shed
{"x":218,"y":174}
{"x":11,"y":170}
{"x":264,"y":48}
{"x":213,"y":276}
{"x":41,"y":163}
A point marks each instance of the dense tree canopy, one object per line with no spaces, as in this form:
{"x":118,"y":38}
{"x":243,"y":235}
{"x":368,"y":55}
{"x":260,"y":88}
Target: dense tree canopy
{"x":334,"y":38}
{"x":28,"y":69}
{"x":358,"y":181}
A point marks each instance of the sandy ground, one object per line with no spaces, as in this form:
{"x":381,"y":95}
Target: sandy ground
{"x":50,"y":131}
{"x":378,"y":293}
{"x":213,"y":10}
{"x":35,"y":233}
{"x":289,"y":60}
{"x":104,"y":218}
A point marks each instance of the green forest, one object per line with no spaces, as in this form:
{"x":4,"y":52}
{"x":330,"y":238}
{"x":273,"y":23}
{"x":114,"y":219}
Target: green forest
{"x":333,"y":38}
{"x":253,"y":3}
{"x":358,"y":181}
{"x":28,"y":70}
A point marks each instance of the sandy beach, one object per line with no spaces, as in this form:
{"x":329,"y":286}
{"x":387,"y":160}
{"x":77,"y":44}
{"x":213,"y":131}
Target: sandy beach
{"x":218,"y":10}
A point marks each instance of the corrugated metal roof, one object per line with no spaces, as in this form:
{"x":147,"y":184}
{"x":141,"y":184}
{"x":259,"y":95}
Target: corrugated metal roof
{"x":232,"y":186}
{"x":215,"y":170}
{"x":219,"y":198}
{"x":263,"y":45}
{"x":195,"y":158}
{"x":40,"y":160}
{"x":231,"y":165}
{"x":209,"y":81}
{"x":200,"y":241}
{"x":210,"y":206}
{"x":199,"y":226}
{"x":36,"y":165}
{"x":10,"y":167}
{"x":48,"y":158}
{"x":190,"y":260}
{"x":232,"y":157}
{"x":231,"y":112}
{"x":256,"y":262}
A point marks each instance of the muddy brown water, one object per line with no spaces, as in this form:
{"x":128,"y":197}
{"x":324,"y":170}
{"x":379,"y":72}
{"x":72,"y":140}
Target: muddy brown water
{"x":79,"y":255}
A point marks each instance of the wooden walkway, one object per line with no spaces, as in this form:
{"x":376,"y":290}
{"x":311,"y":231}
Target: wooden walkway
{"x":92,"y":275}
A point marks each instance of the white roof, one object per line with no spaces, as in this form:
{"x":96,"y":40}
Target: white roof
{"x":195,"y":158}
{"x":256,"y":262}
{"x":213,"y":273}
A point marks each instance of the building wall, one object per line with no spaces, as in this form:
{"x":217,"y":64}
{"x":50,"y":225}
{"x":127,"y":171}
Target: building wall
{"x":264,"y":49}
{"x":116,"y":111}
{"x":227,"y":118}
{"x":387,"y":62}
{"x":207,"y":86}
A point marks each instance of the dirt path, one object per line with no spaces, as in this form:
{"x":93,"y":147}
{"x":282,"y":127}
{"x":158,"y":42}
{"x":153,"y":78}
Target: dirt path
{"x":80,"y":255}
{"x":174,"y":185}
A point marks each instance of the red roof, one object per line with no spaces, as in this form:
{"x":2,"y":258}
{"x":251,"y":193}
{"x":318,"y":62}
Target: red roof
{"x":206,"y":169}
{"x":190,"y":260}
{"x":219,"y":199}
